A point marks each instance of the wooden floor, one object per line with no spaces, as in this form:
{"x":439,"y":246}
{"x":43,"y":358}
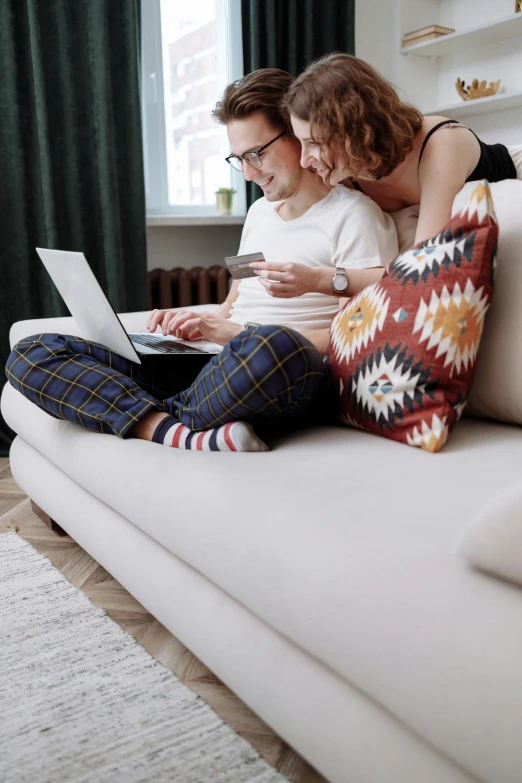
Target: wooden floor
{"x":85,"y":573}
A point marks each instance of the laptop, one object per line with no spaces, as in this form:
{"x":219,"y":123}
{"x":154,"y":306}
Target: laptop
{"x":98,"y":321}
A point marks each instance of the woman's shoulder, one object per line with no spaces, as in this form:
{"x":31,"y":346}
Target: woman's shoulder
{"x":429,"y":121}
{"x":437,"y":127}
{"x":450,"y":141}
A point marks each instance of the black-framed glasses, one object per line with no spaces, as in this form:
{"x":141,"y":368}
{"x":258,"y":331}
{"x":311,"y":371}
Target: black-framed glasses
{"x":253,"y":158}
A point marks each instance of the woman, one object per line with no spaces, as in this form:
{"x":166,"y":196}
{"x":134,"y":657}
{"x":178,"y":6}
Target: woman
{"x":354,"y":129}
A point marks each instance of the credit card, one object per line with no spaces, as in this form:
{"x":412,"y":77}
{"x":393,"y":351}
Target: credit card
{"x":239,"y":265}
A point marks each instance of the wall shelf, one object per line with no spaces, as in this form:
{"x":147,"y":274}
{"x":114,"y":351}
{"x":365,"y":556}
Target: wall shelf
{"x":506,"y":100}
{"x":199,"y":220}
{"x":453,"y":43}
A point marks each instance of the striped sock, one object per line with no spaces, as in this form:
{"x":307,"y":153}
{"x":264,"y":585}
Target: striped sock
{"x":235,"y":436}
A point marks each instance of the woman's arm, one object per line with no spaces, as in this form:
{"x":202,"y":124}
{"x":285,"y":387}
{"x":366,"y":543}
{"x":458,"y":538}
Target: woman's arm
{"x":449,"y":158}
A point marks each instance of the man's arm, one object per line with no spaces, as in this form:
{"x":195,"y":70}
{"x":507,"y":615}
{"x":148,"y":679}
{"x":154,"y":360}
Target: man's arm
{"x":286,"y":280}
{"x":224,"y":309}
{"x":176,"y":318}
{"x":163,"y":318}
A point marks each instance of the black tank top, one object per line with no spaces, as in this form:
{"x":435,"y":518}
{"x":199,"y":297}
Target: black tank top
{"x":495,"y":162}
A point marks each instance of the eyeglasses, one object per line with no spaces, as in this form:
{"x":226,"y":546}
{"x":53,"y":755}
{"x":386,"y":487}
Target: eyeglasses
{"x":253,"y":158}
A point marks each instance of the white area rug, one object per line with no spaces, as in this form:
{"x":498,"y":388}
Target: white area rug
{"x":82,"y":702}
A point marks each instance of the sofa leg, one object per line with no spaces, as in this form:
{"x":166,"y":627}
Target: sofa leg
{"x":55,"y":527}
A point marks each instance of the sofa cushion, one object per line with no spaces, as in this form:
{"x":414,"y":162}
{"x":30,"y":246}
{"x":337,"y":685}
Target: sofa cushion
{"x":493,"y":540}
{"x":515,"y":151}
{"x":503,"y":327}
{"x":496,"y":390}
{"x":403,"y":350}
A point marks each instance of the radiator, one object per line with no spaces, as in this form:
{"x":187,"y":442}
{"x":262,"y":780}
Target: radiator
{"x":186,"y":287}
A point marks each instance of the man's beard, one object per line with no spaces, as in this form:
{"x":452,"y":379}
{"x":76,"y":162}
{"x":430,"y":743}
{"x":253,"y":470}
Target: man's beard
{"x":288,"y":188}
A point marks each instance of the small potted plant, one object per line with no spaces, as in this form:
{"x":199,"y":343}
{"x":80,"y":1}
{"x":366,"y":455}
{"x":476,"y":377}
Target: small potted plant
{"x":224,"y":201}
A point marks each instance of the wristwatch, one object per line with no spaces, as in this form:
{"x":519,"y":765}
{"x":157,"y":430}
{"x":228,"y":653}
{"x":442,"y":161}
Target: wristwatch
{"x":250,"y":324}
{"x":340,"y":281}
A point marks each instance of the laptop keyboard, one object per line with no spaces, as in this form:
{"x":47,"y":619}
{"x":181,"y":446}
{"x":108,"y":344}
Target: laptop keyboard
{"x":162,"y":345}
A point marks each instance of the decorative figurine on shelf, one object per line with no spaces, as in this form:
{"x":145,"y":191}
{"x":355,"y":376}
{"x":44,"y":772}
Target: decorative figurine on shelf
{"x":518,"y":6}
{"x":476,"y":89}
{"x":224,"y":201}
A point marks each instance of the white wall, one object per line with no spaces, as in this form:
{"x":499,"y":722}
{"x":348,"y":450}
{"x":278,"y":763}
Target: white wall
{"x":376,"y":34}
{"x":188,"y":246}
{"x":379,"y":25}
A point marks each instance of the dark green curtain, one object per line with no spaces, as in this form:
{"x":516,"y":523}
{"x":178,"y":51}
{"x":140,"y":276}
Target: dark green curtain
{"x":71,"y":161}
{"x":290,"y":34}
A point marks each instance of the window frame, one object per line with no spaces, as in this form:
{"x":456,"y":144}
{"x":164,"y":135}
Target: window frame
{"x":228,"y":12}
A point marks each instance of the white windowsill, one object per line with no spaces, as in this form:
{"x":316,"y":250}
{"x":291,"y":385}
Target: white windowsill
{"x":200,"y":220}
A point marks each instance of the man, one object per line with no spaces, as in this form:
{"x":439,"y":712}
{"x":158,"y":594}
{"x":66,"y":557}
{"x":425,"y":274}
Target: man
{"x":303,"y":223}
{"x":268,"y":370}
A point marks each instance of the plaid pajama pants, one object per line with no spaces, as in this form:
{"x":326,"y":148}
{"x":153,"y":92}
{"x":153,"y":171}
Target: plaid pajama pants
{"x":263,"y":374}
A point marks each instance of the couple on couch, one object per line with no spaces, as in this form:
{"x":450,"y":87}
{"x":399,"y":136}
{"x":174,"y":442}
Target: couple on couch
{"x":338,"y":122}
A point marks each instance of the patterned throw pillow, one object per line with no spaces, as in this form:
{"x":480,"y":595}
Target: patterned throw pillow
{"x":403,"y":351}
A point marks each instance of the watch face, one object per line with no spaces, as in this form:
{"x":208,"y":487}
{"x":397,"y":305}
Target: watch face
{"x":340,"y":283}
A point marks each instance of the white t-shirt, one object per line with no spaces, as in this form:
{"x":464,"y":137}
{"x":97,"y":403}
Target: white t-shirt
{"x":346,"y":228}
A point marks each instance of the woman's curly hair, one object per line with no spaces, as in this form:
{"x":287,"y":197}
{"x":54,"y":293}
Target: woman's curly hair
{"x":351,"y":106}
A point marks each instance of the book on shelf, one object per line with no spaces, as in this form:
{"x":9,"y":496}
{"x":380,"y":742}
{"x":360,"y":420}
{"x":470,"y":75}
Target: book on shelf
{"x":431,"y":28}
{"x":421,"y":39}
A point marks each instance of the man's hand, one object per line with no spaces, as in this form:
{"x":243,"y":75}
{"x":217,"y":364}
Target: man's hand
{"x":298,"y":279}
{"x":288,"y":279}
{"x":188,"y":325}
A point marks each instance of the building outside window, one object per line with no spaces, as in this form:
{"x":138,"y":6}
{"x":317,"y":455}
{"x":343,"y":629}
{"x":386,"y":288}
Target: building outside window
{"x":191,"y":51}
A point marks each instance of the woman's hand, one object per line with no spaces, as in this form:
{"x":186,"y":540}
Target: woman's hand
{"x":289,"y":279}
{"x":189,"y":325}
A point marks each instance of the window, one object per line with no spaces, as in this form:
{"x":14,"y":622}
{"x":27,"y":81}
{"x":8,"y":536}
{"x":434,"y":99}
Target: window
{"x":190,"y":52}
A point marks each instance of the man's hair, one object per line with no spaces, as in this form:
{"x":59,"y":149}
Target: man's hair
{"x":349,"y":103}
{"x":260,"y":91}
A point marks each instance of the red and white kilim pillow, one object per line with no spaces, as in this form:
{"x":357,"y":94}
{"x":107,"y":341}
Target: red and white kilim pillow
{"x":403,"y":351}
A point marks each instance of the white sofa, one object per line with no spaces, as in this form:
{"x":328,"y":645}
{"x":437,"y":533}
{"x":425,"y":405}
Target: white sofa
{"x":322,"y":581}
